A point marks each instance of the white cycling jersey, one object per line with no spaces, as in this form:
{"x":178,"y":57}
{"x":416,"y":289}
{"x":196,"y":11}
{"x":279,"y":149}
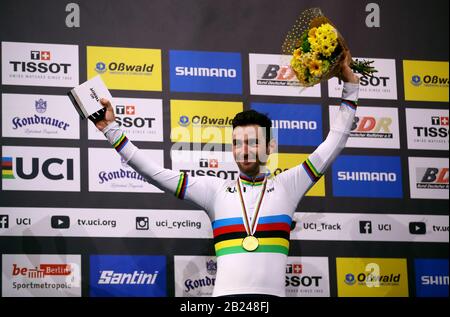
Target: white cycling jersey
{"x":239,"y":271}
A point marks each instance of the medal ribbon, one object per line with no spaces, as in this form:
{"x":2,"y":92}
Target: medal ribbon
{"x":251,"y":229}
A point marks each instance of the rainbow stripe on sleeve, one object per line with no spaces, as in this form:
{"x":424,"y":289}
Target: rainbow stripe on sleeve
{"x":312,"y":172}
{"x":182,"y":185}
{"x":273,"y":233}
{"x":120,"y":143}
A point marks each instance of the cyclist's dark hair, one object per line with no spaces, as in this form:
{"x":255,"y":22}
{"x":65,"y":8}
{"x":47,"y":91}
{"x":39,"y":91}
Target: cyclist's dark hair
{"x":251,"y":117}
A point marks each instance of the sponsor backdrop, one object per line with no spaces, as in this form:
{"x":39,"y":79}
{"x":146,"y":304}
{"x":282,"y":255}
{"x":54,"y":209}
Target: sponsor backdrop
{"x":75,"y":220}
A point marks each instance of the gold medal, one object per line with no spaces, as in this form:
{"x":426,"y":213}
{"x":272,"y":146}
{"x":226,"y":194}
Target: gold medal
{"x":250,"y":243}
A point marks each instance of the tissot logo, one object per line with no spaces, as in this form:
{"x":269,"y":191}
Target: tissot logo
{"x":439,"y":128}
{"x":128,"y":109}
{"x":40,"y":55}
{"x":213,"y":72}
{"x":381,"y":86}
{"x":39,"y":64}
{"x":294,"y":268}
{"x":129,"y":118}
{"x":307,"y":277}
{"x":140,"y":119}
{"x":60,"y":222}
{"x":32,"y":67}
{"x":211,"y":163}
{"x":427,"y":129}
{"x":197,"y":163}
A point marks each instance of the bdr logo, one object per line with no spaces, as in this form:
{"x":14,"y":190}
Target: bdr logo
{"x":40,"y":168}
{"x":367,"y":176}
{"x":127,"y":276}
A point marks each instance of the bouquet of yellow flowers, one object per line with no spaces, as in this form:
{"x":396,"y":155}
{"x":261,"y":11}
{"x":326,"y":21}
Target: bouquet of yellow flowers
{"x":317,"y":48}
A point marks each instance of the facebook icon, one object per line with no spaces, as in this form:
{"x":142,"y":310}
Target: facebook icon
{"x":4,"y":221}
{"x":365,"y":227}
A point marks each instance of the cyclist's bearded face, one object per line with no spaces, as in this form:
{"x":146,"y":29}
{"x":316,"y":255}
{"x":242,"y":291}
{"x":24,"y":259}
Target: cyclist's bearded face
{"x":250,"y":148}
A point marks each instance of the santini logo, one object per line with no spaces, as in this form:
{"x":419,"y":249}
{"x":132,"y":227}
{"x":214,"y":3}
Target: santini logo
{"x":206,"y":72}
{"x":367,"y":176}
{"x":135,"y":278}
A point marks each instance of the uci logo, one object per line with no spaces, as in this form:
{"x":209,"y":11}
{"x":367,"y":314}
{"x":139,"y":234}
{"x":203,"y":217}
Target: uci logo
{"x":49,"y":169}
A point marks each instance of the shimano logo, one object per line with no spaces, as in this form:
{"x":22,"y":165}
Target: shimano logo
{"x":435,"y":280}
{"x":367,"y":176}
{"x":294,"y":125}
{"x":135,"y":278}
{"x":206,"y":72}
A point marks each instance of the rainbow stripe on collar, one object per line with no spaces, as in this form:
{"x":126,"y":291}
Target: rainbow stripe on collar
{"x":273,"y":233}
{"x":257,"y":181}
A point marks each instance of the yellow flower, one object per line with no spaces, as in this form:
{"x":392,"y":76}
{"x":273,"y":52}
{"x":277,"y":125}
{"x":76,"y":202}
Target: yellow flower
{"x":326,"y":40}
{"x":312,"y":32}
{"x":315,"y":67}
{"x":297,"y":53}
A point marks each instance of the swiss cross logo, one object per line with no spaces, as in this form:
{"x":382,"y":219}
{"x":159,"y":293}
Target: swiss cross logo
{"x":213,"y":163}
{"x":439,"y":121}
{"x":294,"y":268}
{"x":40,"y":55}
{"x":130,"y":110}
{"x":45,"y":55}
{"x":297,"y":268}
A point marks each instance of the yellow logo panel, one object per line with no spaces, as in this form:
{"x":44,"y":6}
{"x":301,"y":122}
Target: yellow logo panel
{"x":126,"y":68}
{"x":196,"y":121}
{"x":370,"y":277}
{"x":426,"y":81}
{"x":281,"y":162}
